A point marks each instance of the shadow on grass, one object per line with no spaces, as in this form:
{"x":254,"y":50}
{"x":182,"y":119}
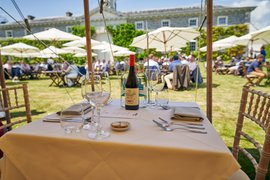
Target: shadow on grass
{"x":22,"y":113}
{"x":246,"y":164}
{"x":203,"y":85}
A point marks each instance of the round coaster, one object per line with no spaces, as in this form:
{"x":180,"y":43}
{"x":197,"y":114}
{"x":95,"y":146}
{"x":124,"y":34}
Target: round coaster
{"x":120,"y":125}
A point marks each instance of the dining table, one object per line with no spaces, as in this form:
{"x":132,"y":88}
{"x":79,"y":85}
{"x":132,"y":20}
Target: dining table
{"x":42,"y":150}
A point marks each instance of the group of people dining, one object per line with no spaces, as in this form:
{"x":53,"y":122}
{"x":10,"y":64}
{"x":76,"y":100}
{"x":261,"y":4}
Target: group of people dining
{"x":168,"y":66}
{"x":246,"y":66}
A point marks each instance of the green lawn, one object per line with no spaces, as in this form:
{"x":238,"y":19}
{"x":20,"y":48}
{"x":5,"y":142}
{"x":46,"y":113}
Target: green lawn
{"x":226,"y":98}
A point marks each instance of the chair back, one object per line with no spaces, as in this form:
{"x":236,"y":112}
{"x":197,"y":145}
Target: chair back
{"x":181,"y":77}
{"x":12,"y":98}
{"x":254,"y":106}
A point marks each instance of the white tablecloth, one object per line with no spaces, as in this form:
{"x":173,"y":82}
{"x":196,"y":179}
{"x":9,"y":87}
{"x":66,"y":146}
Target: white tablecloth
{"x":41,"y":150}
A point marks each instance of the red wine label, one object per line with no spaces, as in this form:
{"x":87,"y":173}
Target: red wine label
{"x":132,"y":96}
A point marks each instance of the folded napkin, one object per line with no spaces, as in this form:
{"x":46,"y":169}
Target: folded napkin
{"x":77,"y":109}
{"x":186,"y":114}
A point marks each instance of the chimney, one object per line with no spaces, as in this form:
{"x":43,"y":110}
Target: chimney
{"x":68,"y":14}
{"x":30,"y":17}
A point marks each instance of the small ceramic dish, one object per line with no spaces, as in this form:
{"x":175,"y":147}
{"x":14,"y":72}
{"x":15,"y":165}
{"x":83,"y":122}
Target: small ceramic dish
{"x":120,"y":126}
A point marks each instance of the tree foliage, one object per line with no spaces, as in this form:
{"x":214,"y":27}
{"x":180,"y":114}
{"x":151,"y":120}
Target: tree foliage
{"x":221,"y":33}
{"x":123,"y":34}
{"x":80,"y":30}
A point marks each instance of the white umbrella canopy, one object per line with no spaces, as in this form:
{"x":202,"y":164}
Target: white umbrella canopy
{"x":84,"y":54}
{"x":50,"y":51}
{"x":81,"y":43}
{"x":218,"y":47}
{"x":248,"y":39}
{"x":258,"y":37}
{"x":52,"y":34}
{"x":123,"y":53}
{"x":228,"y":40}
{"x":22,"y":55}
{"x":19,"y":48}
{"x":106,"y":47}
{"x":166,"y":37}
{"x":74,"y":49}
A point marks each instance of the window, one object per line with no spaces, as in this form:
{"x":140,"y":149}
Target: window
{"x":192,"y":45}
{"x":193,"y":22}
{"x":139,"y":25}
{"x":165,"y":23}
{"x":68,"y":29}
{"x":222,"y":20}
{"x":9,"y":33}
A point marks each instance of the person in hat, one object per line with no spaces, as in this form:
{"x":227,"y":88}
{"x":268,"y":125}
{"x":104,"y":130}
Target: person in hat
{"x":255,"y":69}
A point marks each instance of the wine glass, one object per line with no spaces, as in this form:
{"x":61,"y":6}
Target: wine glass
{"x":157,"y":85}
{"x":97,"y":90}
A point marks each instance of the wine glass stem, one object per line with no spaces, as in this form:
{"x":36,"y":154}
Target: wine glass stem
{"x":98,"y":109}
{"x":156,"y":98}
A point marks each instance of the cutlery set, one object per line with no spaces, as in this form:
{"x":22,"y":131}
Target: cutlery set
{"x":186,"y":126}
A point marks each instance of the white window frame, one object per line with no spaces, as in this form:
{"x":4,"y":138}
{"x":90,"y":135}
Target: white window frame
{"x":68,"y":27}
{"x":193,"y":41}
{"x":165,"y":20}
{"x":138,"y":22}
{"x":190,"y":19}
{"x":9,"y":31}
{"x":226,"y":20}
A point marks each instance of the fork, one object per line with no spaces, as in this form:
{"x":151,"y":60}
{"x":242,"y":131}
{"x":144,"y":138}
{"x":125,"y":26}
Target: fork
{"x":182,"y":128}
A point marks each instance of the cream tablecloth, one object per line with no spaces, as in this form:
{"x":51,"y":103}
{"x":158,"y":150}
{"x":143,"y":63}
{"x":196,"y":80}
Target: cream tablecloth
{"x":41,"y":150}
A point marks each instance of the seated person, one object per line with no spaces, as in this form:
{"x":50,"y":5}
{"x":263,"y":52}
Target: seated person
{"x":184,"y":60}
{"x":151,"y":62}
{"x":255,"y":69}
{"x":26,"y":69}
{"x":70,"y":73}
{"x":16,"y":72}
{"x":169,"y":77}
{"x":98,"y":65}
{"x":234,"y":69}
{"x":218,"y":63}
{"x":191,"y":63}
{"x":8,"y":69}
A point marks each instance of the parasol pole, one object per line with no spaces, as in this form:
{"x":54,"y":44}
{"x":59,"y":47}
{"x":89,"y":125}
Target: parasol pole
{"x":88,"y":40}
{"x":4,"y":93}
{"x":209,"y":59}
{"x":148,"y":69}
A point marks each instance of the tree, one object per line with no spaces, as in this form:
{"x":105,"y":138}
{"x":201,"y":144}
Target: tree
{"x":221,"y":33}
{"x":80,"y":30}
{"x":123,"y":34}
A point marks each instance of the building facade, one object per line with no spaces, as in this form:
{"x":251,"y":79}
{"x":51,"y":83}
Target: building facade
{"x":143,"y":20}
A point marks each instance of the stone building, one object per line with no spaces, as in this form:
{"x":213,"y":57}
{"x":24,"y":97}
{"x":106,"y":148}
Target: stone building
{"x":143,"y":20}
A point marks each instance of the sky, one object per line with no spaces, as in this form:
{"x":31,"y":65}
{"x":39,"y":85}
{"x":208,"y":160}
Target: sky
{"x":51,"y":8}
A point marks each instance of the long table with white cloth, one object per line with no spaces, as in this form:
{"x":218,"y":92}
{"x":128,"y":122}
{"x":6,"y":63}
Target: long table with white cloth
{"x":41,"y":150}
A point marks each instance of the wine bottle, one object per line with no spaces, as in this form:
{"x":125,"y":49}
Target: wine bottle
{"x":132,"y":87}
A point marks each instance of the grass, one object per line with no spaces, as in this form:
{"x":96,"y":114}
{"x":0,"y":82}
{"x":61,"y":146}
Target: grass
{"x":226,"y":100}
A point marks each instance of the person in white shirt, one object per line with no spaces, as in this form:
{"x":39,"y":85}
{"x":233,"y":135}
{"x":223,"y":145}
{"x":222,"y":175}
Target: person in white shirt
{"x":152,"y":63}
{"x":184,"y":60}
{"x":71,"y":73}
{"x":98,"y":65}
{"x":191,"y":63}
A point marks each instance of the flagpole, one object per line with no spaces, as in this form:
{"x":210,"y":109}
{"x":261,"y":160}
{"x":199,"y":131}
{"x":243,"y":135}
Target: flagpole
{"x":88,"y":39}
{"x":209,"y":59}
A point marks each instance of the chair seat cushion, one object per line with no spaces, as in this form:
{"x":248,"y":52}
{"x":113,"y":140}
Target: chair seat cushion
{"x":239,"y":175}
